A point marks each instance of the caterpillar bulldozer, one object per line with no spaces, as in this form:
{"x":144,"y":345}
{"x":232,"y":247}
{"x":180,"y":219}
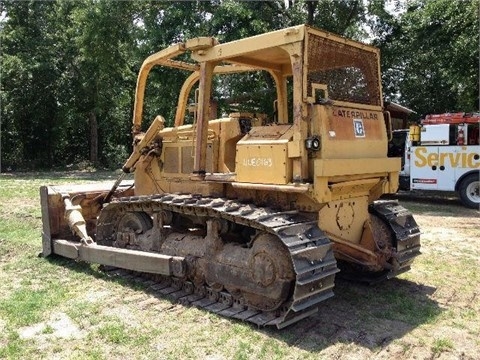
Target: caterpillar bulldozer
{"x":250,"y":214}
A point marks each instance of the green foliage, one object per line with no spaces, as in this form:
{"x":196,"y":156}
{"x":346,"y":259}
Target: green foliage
{"x":25,"y":306}
{"x":61,"y":62}
{"x":441,"y":345}
{"x":29,"y":110}
{"x":15,"y":348}
{"x":68,"y":68}
{"x":431,"y":55}
{"x":115,"y":333}
{"x":243,"y":351}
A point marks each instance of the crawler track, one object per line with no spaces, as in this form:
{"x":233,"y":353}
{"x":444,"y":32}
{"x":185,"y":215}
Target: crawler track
{"x":405,"y":231}
{"x":405,"y":234}
{"x":309,"y":250}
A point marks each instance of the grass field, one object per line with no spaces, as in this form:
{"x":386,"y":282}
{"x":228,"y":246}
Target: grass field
{"x":58,"y":309}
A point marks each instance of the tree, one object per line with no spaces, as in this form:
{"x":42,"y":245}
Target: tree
{"x":98,"y":73}
{"x":430,"y":55}
{"x":29,"y":110}
{"x":68,"y":68}
{"x":67,"y":81}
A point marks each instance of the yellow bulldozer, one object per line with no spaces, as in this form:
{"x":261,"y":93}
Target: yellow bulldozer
{"x":250,"y":214}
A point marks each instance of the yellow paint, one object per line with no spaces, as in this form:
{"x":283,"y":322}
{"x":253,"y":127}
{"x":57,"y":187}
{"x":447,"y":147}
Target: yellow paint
{"x":462,"y":159}
{"x":365,"y":166}
{"x":263,"y":163}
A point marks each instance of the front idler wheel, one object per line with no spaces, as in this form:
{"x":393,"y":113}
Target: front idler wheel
{"x":130,"y":227}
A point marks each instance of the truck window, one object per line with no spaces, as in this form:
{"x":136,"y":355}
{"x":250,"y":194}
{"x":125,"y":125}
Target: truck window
{"x":473,"y":131}
{"x":453,"y":135}
{"x":396,"y":147}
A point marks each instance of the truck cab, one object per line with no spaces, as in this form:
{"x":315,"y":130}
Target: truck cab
{"x":399,"y":147}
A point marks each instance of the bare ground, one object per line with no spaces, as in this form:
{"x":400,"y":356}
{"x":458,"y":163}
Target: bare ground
{"x":431,"y":312}
{"x":443,"y":286}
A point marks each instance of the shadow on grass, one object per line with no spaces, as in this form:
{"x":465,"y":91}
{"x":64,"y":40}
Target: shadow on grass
{"x":368,"y":316}
{"x":371,"y":316}
{"x":433,"y":203}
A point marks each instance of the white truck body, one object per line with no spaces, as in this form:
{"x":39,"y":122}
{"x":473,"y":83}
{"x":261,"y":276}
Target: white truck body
{"x":445,"y":157}
{"x":440,"y":167}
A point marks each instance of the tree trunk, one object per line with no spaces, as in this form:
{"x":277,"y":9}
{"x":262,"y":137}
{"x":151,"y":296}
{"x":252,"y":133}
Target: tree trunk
{"x":311,"y":5}
{"x":351,"y":16}
{"x":92,"y":119}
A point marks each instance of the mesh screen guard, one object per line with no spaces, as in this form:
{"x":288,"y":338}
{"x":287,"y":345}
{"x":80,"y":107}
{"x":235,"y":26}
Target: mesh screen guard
{"x":350,"y":73}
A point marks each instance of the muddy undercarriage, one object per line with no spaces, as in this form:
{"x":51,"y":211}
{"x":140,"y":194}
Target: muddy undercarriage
{"x":229,"y":256}
{"x":263,"y":259}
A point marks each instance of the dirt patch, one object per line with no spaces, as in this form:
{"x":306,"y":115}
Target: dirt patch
{"x":58,"y":326}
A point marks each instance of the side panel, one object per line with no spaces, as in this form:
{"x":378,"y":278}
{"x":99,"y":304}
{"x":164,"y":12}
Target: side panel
{"x":350,"y":133}
{"x":470,"y":159}
{"x":263,"y":163}
{"x":439,"y":167}
{"x":424,"y":174}
{"x":262,"y":156}
{"x":435,"y":134}
{"x":406,"y":167}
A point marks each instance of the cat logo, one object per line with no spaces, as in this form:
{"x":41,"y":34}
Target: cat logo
{"x":358,"y":128}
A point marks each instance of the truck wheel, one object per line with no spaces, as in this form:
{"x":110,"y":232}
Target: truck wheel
{"x":469,"y":191}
